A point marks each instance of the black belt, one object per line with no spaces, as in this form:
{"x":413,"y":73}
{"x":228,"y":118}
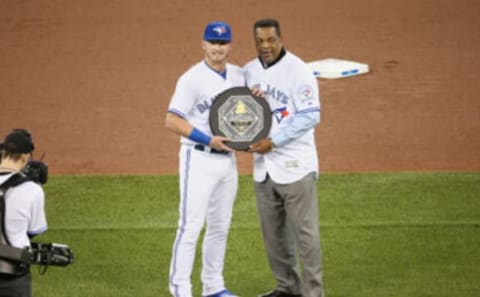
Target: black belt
{"x":201,"y":147}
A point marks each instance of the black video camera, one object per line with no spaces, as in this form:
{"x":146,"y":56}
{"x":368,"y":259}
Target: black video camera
{"x":37,"y":171}
{"x":16,"y":261}
{"x":50,"y":254}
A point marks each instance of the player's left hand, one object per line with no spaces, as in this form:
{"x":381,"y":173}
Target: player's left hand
{"x":263,"y":146}
{"x":258,"y":92}
{"x":217,"y":142}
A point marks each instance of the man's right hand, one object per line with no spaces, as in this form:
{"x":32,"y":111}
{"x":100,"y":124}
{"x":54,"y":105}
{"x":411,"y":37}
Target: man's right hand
{"x":262,"y":147}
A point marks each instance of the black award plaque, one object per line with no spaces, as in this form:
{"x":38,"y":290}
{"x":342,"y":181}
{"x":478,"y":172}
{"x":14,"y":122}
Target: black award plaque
{"x":241,"y":116}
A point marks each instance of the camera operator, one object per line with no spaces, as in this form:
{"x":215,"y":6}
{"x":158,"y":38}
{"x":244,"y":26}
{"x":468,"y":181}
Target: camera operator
{"x":24,"y":213}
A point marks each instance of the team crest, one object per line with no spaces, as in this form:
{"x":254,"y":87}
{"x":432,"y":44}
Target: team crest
{"x":280,"y":113}
{"x":305,"y":93}
{"x":220,"y":30}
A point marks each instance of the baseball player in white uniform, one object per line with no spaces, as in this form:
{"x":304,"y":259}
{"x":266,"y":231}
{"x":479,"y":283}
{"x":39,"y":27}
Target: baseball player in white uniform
{"x":208,"y":171}
{"x":24,"y":215}
{"x":286,"y":164}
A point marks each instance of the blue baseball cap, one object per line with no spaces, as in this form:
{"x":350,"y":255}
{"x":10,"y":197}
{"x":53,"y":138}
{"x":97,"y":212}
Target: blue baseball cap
{"x":218,"y":31}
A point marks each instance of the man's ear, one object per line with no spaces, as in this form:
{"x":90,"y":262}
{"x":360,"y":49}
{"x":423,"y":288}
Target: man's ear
{"x":25,"y":158}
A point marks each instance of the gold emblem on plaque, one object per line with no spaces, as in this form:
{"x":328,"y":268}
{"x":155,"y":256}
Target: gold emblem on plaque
{"x":241,"y":108}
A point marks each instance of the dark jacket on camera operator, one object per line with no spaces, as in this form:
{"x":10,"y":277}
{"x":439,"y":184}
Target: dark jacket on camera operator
{"x":24,"y":215}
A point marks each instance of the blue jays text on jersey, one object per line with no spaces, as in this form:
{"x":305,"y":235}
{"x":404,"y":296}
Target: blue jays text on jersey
{"x":271,"y":91}
{"x":204,"y":106}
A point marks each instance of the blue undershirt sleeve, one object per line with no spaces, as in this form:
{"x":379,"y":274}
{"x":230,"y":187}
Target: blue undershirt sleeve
{"x":296,"y":127}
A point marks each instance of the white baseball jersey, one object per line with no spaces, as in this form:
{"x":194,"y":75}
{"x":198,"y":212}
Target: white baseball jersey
{"x":24,"y":212}
{"x":291,"y":89}
{"x":195,"y":91}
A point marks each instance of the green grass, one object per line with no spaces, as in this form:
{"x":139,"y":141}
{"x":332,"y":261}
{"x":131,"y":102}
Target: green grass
{"x":407,"y":234}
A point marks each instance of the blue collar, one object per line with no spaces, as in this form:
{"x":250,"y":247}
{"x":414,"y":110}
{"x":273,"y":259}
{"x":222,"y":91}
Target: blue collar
{"x":221,"y":73}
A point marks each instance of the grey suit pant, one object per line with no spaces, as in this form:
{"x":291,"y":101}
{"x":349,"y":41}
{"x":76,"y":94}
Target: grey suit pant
{"x":289,"y":220}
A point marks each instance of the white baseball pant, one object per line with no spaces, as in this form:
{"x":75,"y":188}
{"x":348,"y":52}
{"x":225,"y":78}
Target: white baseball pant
{"x":208,"y":187}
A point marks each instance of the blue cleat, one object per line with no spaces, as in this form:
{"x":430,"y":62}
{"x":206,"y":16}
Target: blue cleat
{"x":224,"y":293}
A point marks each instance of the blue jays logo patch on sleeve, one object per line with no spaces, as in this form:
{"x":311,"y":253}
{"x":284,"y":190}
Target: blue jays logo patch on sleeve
{"x":305,"y":93}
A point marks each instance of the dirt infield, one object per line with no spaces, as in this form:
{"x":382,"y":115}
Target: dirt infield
{"x":92,"y":79}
